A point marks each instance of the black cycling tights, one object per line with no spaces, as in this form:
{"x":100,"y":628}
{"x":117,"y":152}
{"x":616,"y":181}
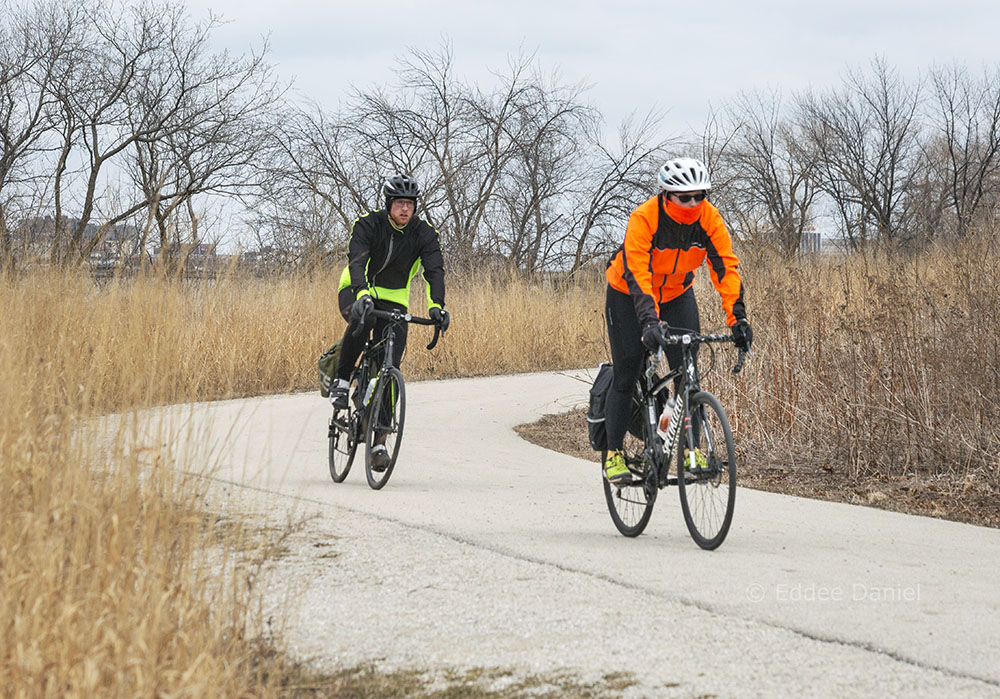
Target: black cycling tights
{"x":627,"y":351}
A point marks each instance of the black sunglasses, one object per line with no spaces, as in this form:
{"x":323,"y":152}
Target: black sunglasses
{"x":685,"y":198}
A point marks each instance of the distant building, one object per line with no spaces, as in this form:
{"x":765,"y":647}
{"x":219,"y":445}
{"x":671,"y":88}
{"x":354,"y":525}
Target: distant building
{"x":813,"y":242}
{"x":36,"y":237}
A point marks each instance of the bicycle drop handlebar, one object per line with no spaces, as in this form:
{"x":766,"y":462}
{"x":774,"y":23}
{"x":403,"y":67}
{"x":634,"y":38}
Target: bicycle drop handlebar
{"x":697,"y":339}
{"x":395,"y":316}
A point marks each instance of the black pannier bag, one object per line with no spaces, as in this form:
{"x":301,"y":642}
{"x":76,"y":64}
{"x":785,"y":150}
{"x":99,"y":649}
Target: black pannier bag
{"x":596,"y":428}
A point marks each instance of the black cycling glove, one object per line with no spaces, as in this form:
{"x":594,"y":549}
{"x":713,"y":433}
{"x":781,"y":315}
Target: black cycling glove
{"x":361,"y":308}
{"x":652,"y":337}
{"x":742,"y":334}
{"x":440,"y":316}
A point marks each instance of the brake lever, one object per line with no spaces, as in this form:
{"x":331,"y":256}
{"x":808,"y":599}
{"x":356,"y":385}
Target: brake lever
{"x":434,"y":340}
{"x":362,"y":321}
{"x":740,"y":359}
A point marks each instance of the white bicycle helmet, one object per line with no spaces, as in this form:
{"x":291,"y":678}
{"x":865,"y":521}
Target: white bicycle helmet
{"x":683,"y":175}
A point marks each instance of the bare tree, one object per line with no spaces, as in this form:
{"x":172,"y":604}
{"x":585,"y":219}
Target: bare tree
{"x":714,"y":146}
{"x":429,"y":126}
{"x":33,"y":43}
{"x":97,"y":80}
{"x":323,"y":170}
{"x":616,"y":180}
{"x":459,"y":141}
{"x":773,"y":169}
{"x":139,"y":93}
{"x":209,"y":115}
{"x":516,"y":174}
{"x":548,"y":131}
{"x":467,"y":138}
{"x":965,"y":118}
{"x":316,"y":161}
{"x":866,"y":138}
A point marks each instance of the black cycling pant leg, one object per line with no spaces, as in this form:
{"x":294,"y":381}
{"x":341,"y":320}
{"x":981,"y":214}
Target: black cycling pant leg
{"x":681,"y":314}
{"x":350,"y":349}
{"x":399,"y":344}
{"x":627,"y":352}
{"x":345,"y":300}
{"x":350,"y":346}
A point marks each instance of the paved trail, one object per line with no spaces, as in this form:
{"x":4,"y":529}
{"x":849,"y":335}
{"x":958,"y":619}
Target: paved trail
{"x":487,"y":551}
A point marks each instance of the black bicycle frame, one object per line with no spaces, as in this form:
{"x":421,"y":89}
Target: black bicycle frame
{"x":651,"y":385}
{"x":395,"y":318}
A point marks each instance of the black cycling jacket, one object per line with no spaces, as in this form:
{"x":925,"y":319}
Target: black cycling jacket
{"x":382,"y":259}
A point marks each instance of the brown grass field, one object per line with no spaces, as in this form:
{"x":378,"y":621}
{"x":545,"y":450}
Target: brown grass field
{"x":881,"y":368}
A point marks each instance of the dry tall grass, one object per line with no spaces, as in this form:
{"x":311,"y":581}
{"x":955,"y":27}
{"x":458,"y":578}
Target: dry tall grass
{"x":152,"y":340}
{"x":101,"y":590}
{"x":879,"y":363}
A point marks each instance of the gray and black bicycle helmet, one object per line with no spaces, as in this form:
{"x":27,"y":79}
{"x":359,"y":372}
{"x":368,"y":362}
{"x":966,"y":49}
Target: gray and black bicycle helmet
{"x":400,"y":187}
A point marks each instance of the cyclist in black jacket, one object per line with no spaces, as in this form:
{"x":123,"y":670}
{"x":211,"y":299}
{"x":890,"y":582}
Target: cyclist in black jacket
{"x":386,"y":249}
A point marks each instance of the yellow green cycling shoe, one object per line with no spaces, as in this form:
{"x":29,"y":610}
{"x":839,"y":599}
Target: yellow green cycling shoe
{"x":700,"y":464}
{"x":615,"y":469}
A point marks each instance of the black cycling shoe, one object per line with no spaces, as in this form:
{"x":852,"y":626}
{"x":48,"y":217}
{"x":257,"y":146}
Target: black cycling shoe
{"x":380,"y":457}
{"x":338,"y":395}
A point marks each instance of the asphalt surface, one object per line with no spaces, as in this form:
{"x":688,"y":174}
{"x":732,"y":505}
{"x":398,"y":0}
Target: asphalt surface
{"x":485,"y":551}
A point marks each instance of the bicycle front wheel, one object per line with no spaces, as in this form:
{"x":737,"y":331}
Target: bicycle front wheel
{"x":706,"y":472}
{"x":631,"y":504}
{"x":384,"y":432}
{"x":343,"y":437}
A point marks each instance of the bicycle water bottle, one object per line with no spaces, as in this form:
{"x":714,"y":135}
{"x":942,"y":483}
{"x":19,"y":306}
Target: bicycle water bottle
{"x":369,"y":391}
{"x":664,"y":424}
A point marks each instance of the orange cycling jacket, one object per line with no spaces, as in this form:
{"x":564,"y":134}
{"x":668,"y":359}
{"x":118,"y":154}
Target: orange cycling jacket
{"x":664,"y":244}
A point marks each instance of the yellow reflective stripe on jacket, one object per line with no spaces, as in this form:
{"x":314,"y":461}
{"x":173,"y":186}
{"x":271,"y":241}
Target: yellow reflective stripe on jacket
{"x":427,"y":285}
{"x":400,"y":296}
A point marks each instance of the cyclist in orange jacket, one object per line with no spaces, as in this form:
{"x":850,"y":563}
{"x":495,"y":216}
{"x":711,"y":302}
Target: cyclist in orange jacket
{"x":650,"y":279}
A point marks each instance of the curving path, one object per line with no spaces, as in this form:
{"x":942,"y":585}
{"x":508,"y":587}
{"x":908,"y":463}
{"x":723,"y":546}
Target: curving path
{"x":487,"y":551}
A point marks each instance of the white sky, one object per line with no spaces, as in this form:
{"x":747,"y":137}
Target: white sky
{"x":676,"y":58}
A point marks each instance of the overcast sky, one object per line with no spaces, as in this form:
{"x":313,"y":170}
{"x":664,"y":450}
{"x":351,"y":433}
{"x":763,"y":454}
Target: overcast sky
{"x":676,"y":58}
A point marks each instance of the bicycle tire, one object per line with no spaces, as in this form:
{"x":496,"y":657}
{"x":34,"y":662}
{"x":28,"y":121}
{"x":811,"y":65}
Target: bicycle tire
{"x":631,"y":505}
{"x":390,"y":424}
{"x":708,"y":499}
{"x":343,"y":444}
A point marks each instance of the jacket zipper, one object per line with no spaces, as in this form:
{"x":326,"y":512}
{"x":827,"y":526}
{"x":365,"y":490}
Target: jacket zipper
{"x":385,"y":264}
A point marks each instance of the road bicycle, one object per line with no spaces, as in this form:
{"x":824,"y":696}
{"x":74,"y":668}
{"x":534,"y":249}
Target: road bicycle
{"x":698,"y":433}
{"x":376,"y":407}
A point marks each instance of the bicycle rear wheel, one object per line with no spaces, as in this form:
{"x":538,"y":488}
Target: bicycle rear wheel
{"x":343,"y":437}
{"x":631,"y":504}
{"x":385,"y":426}
{"x":708,"y":495}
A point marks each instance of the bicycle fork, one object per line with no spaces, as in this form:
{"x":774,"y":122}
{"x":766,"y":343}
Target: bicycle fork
{"x":695,"y":426}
